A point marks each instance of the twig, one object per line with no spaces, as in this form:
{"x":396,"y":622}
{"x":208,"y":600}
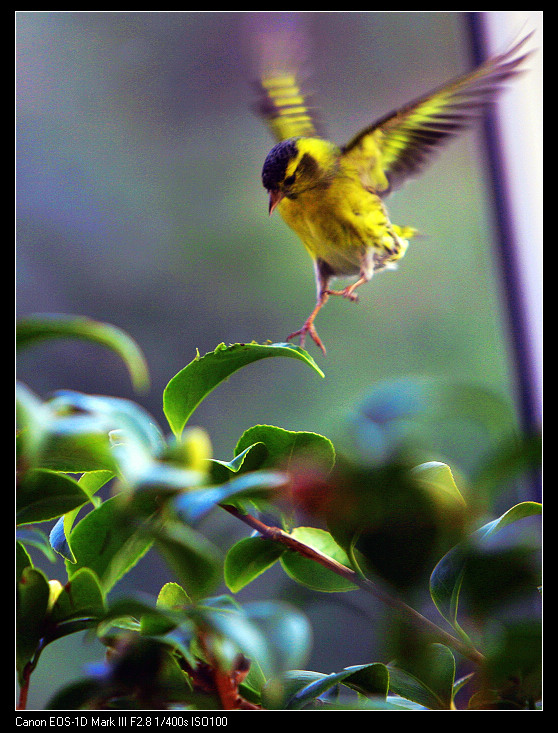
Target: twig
{"x":417,"y":619}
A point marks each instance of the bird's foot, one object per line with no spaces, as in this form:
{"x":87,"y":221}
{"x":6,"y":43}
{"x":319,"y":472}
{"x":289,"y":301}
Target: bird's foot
{"x":308,"y":328}
{"x":347,"y":292}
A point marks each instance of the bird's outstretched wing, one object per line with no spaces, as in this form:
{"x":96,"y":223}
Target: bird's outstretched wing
{"x":403,"y":142}
{"x":284,"y":107}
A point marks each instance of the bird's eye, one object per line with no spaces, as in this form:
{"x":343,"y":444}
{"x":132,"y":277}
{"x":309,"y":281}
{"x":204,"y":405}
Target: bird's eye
{"x":289,"y":180}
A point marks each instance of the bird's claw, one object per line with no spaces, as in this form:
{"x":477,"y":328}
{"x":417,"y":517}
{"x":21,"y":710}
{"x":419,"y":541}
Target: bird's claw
{"x":345,"y":293}
{"x":308,"y":328}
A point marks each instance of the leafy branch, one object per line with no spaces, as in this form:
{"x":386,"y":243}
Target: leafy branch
{"x":423,"y":624}
{"x":388,"y":520}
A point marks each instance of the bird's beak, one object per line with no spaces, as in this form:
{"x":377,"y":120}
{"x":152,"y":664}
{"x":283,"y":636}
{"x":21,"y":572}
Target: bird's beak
{"x":274,"y":199}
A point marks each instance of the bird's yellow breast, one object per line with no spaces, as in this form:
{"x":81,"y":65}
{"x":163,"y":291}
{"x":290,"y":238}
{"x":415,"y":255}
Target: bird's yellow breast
{"x":337,"y":222}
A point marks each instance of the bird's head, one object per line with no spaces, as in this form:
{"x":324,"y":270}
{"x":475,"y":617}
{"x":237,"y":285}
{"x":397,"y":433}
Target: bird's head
{"x":296,"y":165}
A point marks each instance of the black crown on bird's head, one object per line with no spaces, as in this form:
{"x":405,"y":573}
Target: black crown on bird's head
{"x":275,"y":165}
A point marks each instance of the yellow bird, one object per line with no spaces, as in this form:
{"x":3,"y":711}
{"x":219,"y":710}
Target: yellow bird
{"x":333,"y":197}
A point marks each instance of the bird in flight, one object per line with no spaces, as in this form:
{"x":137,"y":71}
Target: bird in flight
{"x":333,"y":196}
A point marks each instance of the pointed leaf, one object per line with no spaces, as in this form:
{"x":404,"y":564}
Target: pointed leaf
{"x":43,"y":495}
{"x":249,"y":459}
{"x":198,"y":379}
{"x":405,"y":685}
{"x":193,"y":558}
{"x":287,"y":632}
{"x":105,"y":543}
{"x":192,"y":505}
{"x":447,"y":577}
{"x":173,"y":595}
{"x":248,"y":559}
{"x":297,"y":689}
{"x":287,"y":446}
{"x":308,"y":572}
{"x":438,"y":480}
{"x":90,"y":482}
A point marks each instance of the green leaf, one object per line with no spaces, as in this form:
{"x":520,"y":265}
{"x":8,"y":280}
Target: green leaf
{"x":438,"y":480}
{"x":43,"y":495}
{"x":249,"y":459}
{"x":105,"y":543}
{"x":511,"y":458}
{"x":309,"y":573}
{"x":368,"y":679}
{"x":278,"y":691}
{"x":448,"y":575}
{"x":77,"y":444}
{"x":513,"y":663}
{"x":32,"y":603}
{"x":34,"y":329}
{"x":81,"y":597}
{"x":75,"y":695}
{"x":139,"y":614}
{"x":172,"y":603}
{"x":432,"y":684}
{"x":23,"y":559}
{"x":249,"y":558}
{"x":90,"y":482}
{"x":288,"y":447}
{"x":193,"y":558}
{"x":198,"y":379}
{"x":173,"y":595}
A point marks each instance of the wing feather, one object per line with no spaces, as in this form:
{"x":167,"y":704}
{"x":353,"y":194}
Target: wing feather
{"x":285,"y":108}
{"x":403,"y":142}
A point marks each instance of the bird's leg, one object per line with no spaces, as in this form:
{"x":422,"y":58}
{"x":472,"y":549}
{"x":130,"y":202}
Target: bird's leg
{"x":366,"y":272}
{"x":308,"y":327}
{"x":348,"y":292}
{"x":323,"y":276}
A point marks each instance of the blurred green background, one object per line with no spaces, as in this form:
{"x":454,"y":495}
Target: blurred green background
{"x":139,"y":203}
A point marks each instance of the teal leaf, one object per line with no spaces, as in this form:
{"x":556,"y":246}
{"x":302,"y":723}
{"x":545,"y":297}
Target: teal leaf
{"x":198,"y":379}
{"x":34,"y":329}
{"x":447,"y":577}
{"x":192,"y":505}
{"x":54,"y":436}
{"x":287,"y":632}
{"x":118,"y":414}
{"x":421,"y":414}
{"x":297,"y":689}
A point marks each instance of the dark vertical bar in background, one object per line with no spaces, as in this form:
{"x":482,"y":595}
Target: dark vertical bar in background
{"x":506,"y":248}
